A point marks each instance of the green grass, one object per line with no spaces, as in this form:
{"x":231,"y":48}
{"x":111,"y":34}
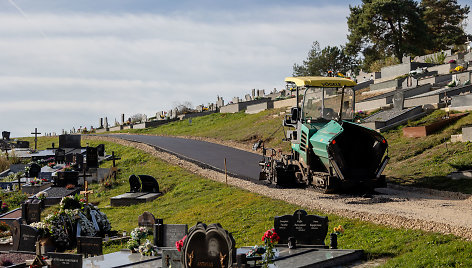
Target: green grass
{"x":189,"y":198}
{"x":239,"y":127}
{"x":426,"y":161}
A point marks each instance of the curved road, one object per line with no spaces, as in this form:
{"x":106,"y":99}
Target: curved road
{"x":241,"y":164}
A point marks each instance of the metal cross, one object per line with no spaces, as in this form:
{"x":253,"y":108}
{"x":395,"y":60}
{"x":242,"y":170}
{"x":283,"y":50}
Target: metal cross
{"x":86,"y":191}
{"x":114,"y":158}
{"x":114,"y":165}
{"x":35,"y":138}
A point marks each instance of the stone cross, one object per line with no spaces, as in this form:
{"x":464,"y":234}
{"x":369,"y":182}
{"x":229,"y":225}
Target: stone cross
{"x":86,"y":191}
{"x":35,"y":138}
{"x":446,"y":100}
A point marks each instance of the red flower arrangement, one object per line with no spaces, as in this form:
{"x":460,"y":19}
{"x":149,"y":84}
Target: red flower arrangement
{"x":271,"y":236}
{"x":180,"y":244}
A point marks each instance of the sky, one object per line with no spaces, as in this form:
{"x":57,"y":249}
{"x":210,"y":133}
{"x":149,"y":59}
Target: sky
{"x":68,"y":63}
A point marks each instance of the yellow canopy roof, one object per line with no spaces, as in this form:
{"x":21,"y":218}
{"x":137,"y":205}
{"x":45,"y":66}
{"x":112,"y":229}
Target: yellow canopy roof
{"x":320,"y":81}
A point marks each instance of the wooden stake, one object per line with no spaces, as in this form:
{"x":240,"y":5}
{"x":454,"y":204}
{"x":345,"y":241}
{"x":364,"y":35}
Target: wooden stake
{"x":226,"y":173}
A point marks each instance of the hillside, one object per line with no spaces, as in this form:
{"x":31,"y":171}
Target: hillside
{"x":429,"y":159}
{"x":189,"y":198}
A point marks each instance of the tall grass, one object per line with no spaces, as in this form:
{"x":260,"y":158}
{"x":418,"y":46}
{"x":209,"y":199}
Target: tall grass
{"x":4,"y":163}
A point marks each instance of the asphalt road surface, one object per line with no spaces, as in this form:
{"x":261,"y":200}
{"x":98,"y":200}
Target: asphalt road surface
{"x":241,"y":164}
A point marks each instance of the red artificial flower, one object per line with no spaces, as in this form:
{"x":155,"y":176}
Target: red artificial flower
{"x":180,"y":244}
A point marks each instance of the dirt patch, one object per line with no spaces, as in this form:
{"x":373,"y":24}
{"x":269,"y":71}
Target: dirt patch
{"x":401,"y":207}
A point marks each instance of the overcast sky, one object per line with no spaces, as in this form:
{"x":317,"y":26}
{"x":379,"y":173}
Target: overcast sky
{"x":65,"y":64}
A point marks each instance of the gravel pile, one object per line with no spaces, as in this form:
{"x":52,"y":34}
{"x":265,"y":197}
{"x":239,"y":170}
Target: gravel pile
{"x":402,"y":207}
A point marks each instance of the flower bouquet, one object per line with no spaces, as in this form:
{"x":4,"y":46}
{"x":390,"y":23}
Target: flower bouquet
{"x":41,"y":195}
{"x":147,"y":249}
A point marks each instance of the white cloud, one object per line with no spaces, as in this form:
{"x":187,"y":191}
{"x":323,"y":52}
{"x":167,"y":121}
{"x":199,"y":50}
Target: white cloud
{"x":96,"y":65}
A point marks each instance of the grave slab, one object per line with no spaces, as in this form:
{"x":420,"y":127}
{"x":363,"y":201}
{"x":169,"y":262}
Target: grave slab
{"x":123,"y":258}
{"x":55,"y":194}
{"x":312,"y":257}
{"x":387,"y":119}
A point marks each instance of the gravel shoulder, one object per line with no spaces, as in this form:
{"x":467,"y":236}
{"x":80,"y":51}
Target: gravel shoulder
{"x":396,"y":206}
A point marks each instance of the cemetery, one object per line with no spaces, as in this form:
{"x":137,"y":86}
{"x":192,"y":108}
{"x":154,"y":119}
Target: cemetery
{"x":154,"y":230}
{"x":367,"y":163}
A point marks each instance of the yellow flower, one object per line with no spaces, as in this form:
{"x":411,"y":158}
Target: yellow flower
{"x":459,"y":68}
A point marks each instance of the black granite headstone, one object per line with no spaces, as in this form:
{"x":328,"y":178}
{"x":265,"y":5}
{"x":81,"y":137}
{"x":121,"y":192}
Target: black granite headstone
{"x":134,"y":184}
{"x":22,"y":144}
{"x":24,"y":237}
{"x":69,"y":141}
{"x":60,"y":156}
{"x":149,"y":184}
{"x":208,"y":246}
{"x":69,"y":158}
{"x":92,"y":157}
{"x":101,"y":149}
{"x":67,"y":177}
{"x":62,"y":260}
{"x":89,"y":245}
{"x":306,"y":229}
{"x":165,"y":235}
{"x":146,"y":219}
{"x":34,"y":170}
{"x":6,"y":135}
{"x":31,"y":212}
{"x":79,"y":161}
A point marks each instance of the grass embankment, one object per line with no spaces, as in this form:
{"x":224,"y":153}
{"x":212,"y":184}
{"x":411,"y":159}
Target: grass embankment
{"x":238,"y":127}
{"x":421,"y":162}
{"x":189,"y":198}
{"x":426,"y":161}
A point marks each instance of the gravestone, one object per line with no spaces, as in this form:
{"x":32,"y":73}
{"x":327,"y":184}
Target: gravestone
{"x":165,"y":235}
{"x":5,"y":135}
{"x":70,"y":141}
{"x":24,"y":237}
{"x":89,"y":245}
{"x":60,"y":156}
{"x":306,"y":229}
{"x":22,"y":144}
{"x":148,"y":184}
{"x":100,"y":124}
{"x":143,"y":192}
{"x":171,"y":258}
{"x":398,"y":100}
{"x":220,"y":102}
{"x":69,"y":158}
{"x":134,"y":184}
{"x":79,"y":161}
{"x":92,"y":157}
{"x":34,"y":170}
{"x":66,"y":177}
{"x":146,"y":220}
{"x":31,"y":211}
{"x":208,"y":246}
{"x":101,"y":150}
{"x":247,"y":97}
{"x":61,"y":260}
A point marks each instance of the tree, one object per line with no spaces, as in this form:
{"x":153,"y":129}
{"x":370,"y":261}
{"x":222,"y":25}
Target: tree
{"x":183,"y":107}
{"x":320,"y":61}
{"x":382,"y":28}
{"x":445,"y":20}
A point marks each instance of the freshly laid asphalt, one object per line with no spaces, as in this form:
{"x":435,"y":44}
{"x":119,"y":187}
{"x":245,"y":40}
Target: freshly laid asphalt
{"x":239,"y":163}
